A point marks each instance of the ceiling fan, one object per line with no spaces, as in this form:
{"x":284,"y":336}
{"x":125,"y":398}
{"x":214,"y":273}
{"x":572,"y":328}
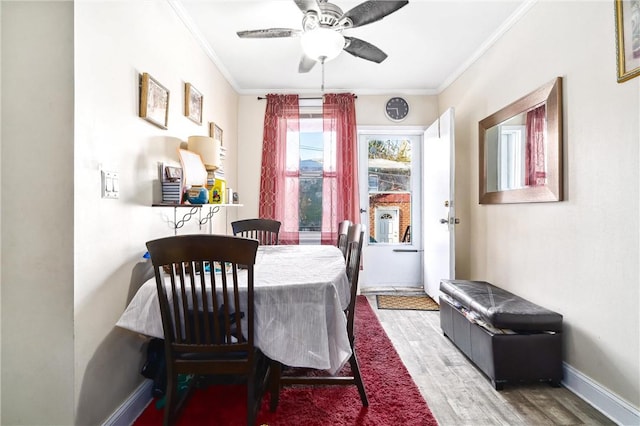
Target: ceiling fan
{"x":322,"y":26}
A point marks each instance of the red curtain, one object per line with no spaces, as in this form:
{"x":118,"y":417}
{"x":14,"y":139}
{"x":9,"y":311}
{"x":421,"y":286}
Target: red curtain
{"x":536,"y":125}
{"x":279,"y":177}
{"x":340,"y":199}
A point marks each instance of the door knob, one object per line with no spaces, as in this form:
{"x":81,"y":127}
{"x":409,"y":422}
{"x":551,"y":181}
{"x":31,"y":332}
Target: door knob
{"x":363,"y":210}
{"x":452,"y":221}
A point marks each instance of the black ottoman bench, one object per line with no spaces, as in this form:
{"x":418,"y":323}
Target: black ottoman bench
{"x":507,"y":337}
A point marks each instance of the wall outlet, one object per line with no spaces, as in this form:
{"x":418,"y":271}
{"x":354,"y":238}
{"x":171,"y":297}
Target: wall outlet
{"x":110,"y":184}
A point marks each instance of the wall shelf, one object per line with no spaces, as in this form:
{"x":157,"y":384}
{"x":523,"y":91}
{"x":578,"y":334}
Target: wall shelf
{"x":194,"y":209}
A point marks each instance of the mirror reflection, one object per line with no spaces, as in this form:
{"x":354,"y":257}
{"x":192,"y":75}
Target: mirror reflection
{"x":516,"y":153}
{"x":520,"y":152}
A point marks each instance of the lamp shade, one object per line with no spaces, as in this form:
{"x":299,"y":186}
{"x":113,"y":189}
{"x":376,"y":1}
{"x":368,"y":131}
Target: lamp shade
{"x":322,"y":43}
{"x":208,"y":149}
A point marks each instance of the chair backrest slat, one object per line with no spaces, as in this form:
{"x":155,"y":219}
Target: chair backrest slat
{"x":266,"y":231}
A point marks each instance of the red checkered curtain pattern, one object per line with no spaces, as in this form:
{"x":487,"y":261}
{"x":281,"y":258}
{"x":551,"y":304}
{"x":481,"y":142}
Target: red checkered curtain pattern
{"x":280,"y":165}
{"x":535,"y":166}
{"x":340,"y":199}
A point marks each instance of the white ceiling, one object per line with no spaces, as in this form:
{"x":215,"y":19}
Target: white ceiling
{"x":429,"y":43}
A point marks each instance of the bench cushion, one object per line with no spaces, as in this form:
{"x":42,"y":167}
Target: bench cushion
{"x":501,"y":308}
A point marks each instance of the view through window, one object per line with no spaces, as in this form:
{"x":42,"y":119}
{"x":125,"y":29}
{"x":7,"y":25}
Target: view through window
{"x":389,"y":183}
{"x":311,"y":167}
{"x":306,"y":153}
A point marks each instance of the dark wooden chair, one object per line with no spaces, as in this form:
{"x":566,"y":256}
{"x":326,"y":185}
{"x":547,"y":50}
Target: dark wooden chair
{"x":354,"y":253}
{"x":207,"y":317}
{"x":266,"y":231}
{"x":343,"y":231}
{"x":354,"y":250}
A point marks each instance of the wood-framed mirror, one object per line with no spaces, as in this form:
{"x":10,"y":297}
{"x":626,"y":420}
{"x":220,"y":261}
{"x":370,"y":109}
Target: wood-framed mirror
{"x":521,"y":149}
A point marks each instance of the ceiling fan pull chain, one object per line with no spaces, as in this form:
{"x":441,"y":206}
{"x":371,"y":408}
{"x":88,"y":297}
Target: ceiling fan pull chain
{"x":322,"y":63}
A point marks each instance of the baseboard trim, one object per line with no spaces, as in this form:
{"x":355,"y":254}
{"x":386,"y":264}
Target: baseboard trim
{"x":132,"y":407}
{"x":609,"y":404}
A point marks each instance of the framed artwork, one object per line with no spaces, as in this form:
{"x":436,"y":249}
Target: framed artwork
{"x":215,"y":132}
{"x":192,"y":103}
{"x":154,"y":101}
{"x":627,"y":38}
{"x":173,"y":173}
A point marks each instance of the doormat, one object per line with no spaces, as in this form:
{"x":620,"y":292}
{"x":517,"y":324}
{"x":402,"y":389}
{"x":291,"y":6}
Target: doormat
{"x":415,"y":303}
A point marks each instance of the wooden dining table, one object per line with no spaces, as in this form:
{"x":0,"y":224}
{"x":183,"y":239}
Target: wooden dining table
{"x":300,"y":294}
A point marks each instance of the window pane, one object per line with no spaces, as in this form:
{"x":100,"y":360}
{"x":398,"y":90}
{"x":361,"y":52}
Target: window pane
{"x":390,"y":165}
{"x":389,"y":170}
{"x":311,"y":153}
{"x":311,"y":160}
{"x":310,"y":204}
{"x":293,"y":147}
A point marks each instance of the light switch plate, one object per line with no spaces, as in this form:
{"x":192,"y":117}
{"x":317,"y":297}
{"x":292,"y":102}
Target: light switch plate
{"x":110,"y":184}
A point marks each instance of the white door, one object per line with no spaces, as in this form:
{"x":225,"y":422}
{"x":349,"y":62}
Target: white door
{"x":438,"y":217}
{"x":387,"y":223}
{"x":390,"y":200}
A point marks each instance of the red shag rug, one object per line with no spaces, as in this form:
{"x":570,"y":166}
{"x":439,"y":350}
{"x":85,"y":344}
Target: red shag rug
{"x":394,"y":399}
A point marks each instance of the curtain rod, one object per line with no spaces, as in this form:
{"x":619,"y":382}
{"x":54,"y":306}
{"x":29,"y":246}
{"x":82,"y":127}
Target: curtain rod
{"x":315,"y":98}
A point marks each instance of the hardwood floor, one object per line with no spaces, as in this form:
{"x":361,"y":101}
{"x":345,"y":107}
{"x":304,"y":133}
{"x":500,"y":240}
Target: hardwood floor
{"x":459,"y":394}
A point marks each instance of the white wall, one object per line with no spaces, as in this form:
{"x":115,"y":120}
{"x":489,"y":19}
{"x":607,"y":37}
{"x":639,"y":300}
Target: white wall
{"x":115,"y":41}
{"x":580,"y":256}
{"x":37,"y":213}
{"x":423,"y":110}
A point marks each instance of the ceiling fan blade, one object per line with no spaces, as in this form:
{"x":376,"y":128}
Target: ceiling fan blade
{"x":269,"y":33}
{"x":307,"y":5}
{"x":306,"y":63}
{"x":364,"y":50}
{"x":371,"y":11}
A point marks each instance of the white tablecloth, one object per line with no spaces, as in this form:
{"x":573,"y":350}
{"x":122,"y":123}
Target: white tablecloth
{"x":300,"y":295}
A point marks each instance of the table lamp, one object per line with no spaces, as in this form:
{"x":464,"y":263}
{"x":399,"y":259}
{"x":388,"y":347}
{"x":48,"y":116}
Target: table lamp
{"x":208,"y":149}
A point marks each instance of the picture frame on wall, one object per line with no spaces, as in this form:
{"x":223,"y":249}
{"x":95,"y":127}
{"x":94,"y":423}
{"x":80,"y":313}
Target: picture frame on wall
{"x":192,"y":103}
{"x":627,"y":39}
{"x":154,"y":101}
{"x":215,"y":132}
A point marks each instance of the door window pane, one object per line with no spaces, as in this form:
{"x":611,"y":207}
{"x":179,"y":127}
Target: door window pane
{"x":389,"y":178}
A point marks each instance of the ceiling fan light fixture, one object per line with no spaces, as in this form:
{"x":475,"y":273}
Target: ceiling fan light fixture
{"x":322,"y":44}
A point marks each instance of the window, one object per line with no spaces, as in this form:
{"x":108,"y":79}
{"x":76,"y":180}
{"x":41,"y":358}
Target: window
{"x":306,"y":153}
{"x":287,"y":122}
